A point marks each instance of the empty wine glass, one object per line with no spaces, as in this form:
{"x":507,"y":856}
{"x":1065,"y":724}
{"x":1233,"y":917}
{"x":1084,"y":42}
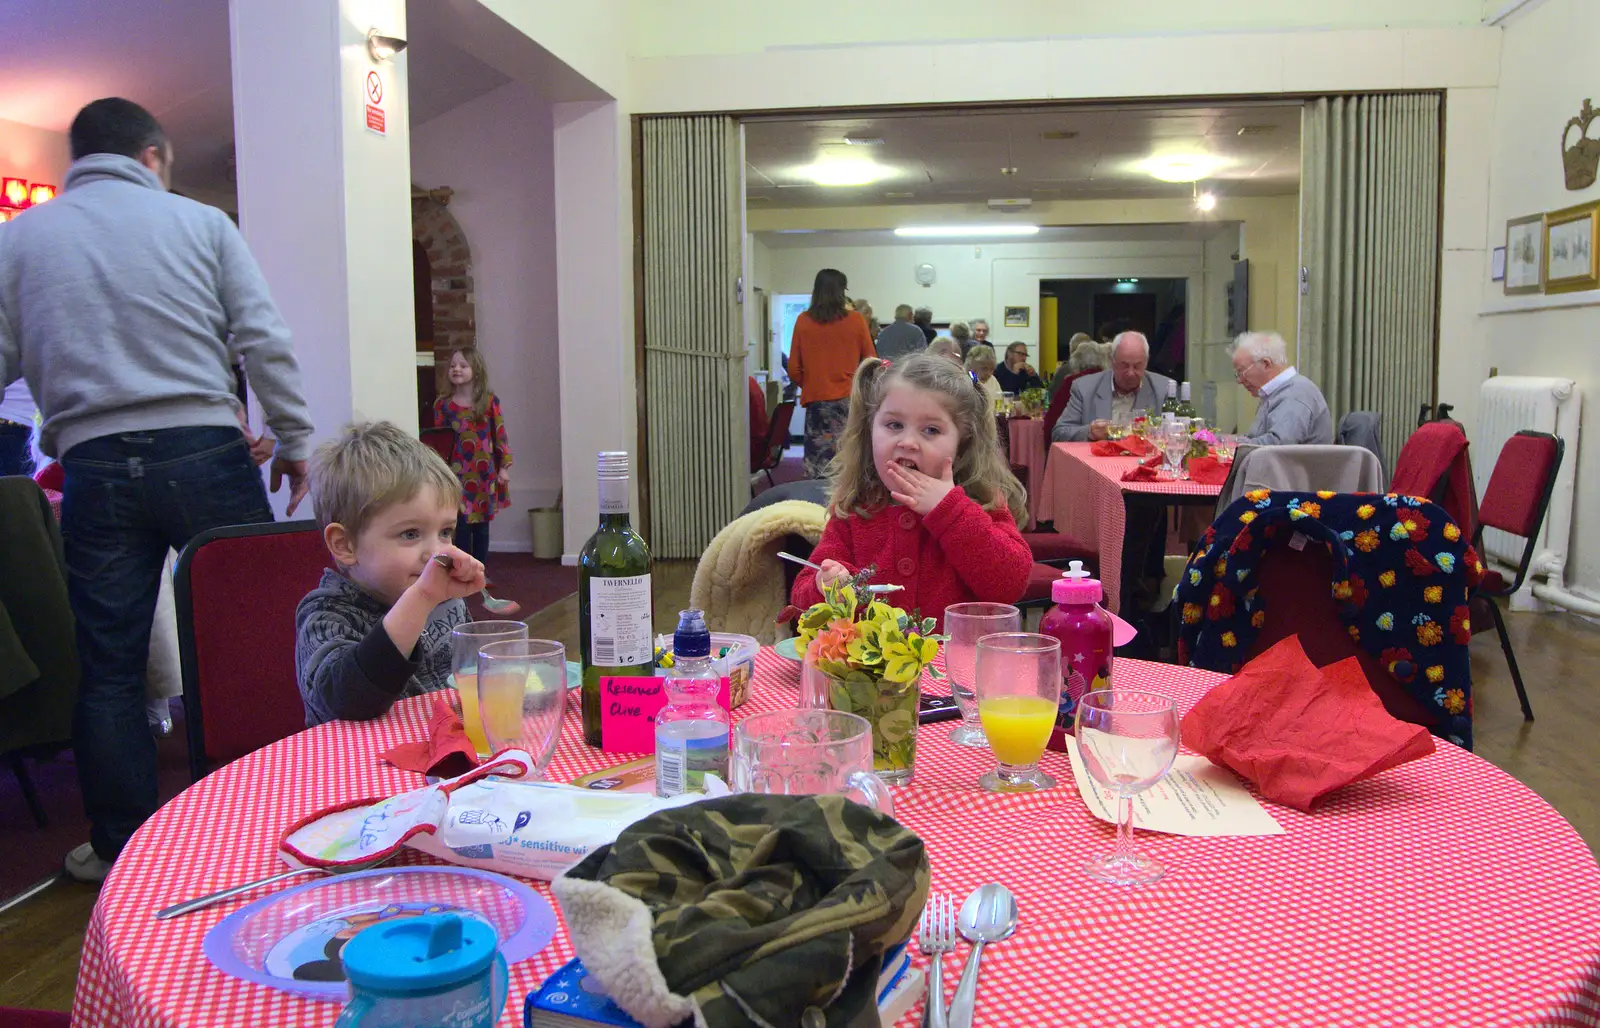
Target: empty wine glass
{"x":1174,"y":444}
{"x":1019,"y":696}
{"x":465,"y":642}
{"x":965,"y":624}
{"x":522,"y":692}
{"x":1128,"y":741}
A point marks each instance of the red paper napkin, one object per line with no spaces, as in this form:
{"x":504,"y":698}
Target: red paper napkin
{"x":1299,"y":732}
{"x":1208,"y":471}
{"x":445,"y":752}
{"x":1132,"y":446}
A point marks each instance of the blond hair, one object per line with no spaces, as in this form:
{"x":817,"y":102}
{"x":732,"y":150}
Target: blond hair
{"x":369,"y":467}
{"x":979,"y":469}
{"x":980,"y":355}
{"x":480,"y":378}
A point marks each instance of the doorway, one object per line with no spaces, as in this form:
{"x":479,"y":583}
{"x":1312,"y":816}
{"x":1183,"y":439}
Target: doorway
{"x":1103,"y":307}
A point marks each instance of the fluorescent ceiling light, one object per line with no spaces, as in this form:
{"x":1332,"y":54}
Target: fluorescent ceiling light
{"x":925,"y":231}
{"x":863,"y":140}
{"x":836,"y":172}
{"x":1182,"y":167}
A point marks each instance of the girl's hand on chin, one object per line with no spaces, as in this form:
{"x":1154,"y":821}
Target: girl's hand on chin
{"x":911,"y":488}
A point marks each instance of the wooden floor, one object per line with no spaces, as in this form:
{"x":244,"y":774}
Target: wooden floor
{"x":40,"y":939}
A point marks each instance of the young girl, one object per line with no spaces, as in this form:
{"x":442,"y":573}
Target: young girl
{"x":482,"y":458}
{"x":921,"y":491}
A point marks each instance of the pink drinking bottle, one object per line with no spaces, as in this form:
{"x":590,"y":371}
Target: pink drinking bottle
{"x":1085,"y":629}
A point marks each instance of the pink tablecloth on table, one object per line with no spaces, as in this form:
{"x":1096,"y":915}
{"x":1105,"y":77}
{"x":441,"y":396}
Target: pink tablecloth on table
{"x":1083,"y":493}
{"x":1027,"y":450}
{"x":1441,"y":893}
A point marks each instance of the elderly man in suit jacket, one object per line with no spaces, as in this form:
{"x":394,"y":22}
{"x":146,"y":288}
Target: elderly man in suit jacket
{"x":1127,"y":387}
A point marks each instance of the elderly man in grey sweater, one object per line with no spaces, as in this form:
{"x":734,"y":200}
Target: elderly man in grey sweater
{"x":1292,"y":409}
{"x":126,"y":308}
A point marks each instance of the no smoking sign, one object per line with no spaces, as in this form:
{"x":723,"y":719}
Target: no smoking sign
{"x":376,"y":121}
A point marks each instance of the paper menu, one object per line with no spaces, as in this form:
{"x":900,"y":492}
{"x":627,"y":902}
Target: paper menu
{"x":1195,"y":798}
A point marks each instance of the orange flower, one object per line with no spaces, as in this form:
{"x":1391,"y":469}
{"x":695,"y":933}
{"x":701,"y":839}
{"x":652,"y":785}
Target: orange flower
{"x":1229,"y":639}
{"x":1326,"y":494}
{"x":1367,"y":541}
{"x":1365,"y":511}
{"x":1258,"y":619}
{"x":1455,"y":701}
{"x":1313,"y":510}
{"x":1355,"y":633}
{"x":1435,"y":673}
{"x":1386,"y":578}
{"x":833,"y":642}
{"x":1451,"y":532}
{"x":1191,"y":613}
{"x":1433,"y":594}
{"x":1257,"y":495}
{"x":1429,"y":633}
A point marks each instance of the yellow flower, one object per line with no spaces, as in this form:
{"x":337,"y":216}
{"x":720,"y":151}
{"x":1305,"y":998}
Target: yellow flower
{"x":1191,"y":613}
{"x":1257,"y":495}
{"x":1248,"y":516}
{"x":1433,"y":594}
{"x":1229,"y":639}
{"x":1221,"y":567}
{"x":1386,"y":578}
{"x":1355,"y":633}
{"x":1451,"y":532}
{"x":1454,"y":701}
{"x":1326,"y":494}
{"x":1365,"y":511}
{"x":1341,"y":590}
{"x":1436,"y":673}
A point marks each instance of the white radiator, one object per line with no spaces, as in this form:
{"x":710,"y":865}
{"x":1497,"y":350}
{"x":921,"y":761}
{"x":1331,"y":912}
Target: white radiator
{"x":1507,"y":405}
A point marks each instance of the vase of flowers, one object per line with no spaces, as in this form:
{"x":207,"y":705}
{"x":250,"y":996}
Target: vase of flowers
{"x":866,"y":657}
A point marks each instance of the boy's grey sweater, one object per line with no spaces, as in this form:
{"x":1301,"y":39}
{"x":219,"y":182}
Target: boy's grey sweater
{"x":346,"y":664}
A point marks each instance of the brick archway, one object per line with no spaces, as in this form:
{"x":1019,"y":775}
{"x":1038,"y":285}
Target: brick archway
{"x":436,"y":230}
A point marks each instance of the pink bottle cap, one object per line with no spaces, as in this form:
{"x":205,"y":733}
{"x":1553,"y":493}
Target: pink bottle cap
{"x":1075,"y":586}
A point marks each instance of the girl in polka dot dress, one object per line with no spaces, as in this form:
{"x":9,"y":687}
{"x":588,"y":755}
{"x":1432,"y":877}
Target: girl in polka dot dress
{"x":482,"y":458}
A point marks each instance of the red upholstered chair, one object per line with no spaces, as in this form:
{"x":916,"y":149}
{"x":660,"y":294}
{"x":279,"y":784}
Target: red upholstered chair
{"x":51,"y":476}
{"x":236,"y":590}
{"x":759,"y":425}
{"x":441,"y":441}
{"x":1058,"y":404}
{"x":777,"y":438}
{"x":11,"y":1017}
{"x":1515,"y":501}
{"x":1434,"y":463}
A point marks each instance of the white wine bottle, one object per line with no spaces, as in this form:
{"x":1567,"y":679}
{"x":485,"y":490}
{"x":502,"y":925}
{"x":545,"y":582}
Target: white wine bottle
{"x":614,"y":629}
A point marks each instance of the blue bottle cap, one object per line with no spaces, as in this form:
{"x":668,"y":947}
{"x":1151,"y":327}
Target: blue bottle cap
{"x":419,"y":954}
{"x":693,"y":638}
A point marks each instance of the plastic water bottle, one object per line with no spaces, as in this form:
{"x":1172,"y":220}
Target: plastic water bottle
{"x":1085,"y":629}
{"x":692,"y":729}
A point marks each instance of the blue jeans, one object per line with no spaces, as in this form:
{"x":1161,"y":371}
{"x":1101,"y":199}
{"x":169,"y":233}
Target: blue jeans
{"x":16,"y":451}
{"x":127,"y":498}
{"x":473,"y":537}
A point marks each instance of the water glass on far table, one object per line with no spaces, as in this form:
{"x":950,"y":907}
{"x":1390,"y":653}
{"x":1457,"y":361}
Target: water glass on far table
{"x":522,"y":692}
{"x":1019,"y":695}
{"x":1128,"y":741}
{"x":1174,"y":441}
{"x":465,"y":642}
{"x":965,"y":624}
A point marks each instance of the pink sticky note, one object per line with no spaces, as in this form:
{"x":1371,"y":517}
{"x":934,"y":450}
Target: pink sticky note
{"x":628,"y":709}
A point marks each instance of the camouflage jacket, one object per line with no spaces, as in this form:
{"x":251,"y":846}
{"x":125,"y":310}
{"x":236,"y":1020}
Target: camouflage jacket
{"x":746,"y":911}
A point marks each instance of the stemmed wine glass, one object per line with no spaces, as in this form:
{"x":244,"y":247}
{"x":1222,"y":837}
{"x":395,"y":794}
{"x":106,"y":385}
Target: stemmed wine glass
{"x":965,"y":624}
{"x":1174,"y":440}
{"x":522,"y":693}
{"x":1019,"y":696}
{"x":1128,"y":741}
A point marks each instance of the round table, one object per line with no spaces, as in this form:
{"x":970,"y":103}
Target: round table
{"x":1442,"y":892}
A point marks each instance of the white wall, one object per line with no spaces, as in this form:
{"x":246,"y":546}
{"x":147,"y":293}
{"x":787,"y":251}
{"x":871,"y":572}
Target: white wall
{"x":495,"y":153}
{"x":1546,"y":72}
{"x":35,"y":154}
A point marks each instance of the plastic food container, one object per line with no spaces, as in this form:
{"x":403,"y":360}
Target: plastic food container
{"x":737,"y":661}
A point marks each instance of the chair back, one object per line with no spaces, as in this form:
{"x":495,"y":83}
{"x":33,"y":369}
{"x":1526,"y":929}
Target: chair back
{"x":1362,"y":428}
{"x":1434,"y":463}
{"x":1518,"y":494}
{"x":757,"y":401}
{"x":1304,"y":469}
{"x":777,"y":437}
{"x":236,"y":589}
{"x":441,"y":441}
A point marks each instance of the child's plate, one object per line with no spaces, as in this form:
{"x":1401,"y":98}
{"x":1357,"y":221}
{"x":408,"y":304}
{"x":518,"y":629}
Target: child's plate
{"x":788,"y":649}
{"x":291,"y":940}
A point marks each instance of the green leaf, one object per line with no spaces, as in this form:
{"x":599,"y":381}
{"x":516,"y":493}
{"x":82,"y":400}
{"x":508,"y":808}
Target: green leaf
{"x":896,"y":724}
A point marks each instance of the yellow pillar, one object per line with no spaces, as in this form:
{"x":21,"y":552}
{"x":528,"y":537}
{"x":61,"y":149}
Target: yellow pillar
{"x":1048,"y":358}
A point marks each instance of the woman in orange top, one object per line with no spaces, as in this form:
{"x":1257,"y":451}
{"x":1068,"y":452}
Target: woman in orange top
{"x":830,"y":342}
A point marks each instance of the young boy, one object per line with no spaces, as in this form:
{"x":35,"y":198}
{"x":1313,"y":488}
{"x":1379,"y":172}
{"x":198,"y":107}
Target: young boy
{"x":378,"y":628}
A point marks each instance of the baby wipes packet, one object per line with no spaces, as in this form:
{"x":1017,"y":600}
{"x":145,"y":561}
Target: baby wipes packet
{"x":538,"y":829}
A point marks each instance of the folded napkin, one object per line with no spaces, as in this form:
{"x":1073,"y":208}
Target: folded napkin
{"x":1131,"y":446}
{"x":1208,"y":470}
{"x":445,"y":752}
{"x":1298,"y":731}
{"x":747,"y":910}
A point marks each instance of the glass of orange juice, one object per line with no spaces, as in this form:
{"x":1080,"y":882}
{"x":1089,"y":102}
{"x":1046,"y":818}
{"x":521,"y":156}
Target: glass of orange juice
{"x":1019,"y":694}
{"x":465,"y":642}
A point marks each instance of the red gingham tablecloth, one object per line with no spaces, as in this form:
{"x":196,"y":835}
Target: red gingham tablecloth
{"x":1027,"y":450}
{"x":1439,"y":893}
{"x":1082,"y":494}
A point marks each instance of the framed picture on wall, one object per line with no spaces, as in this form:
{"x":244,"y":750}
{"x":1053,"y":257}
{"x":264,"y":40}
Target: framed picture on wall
{"x":1017,"y":317}
{"x":1524,"y":248}
{"x":1571,"y":259}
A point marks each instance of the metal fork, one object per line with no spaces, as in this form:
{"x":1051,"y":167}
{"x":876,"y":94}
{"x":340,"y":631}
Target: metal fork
{"x":937,"y":936}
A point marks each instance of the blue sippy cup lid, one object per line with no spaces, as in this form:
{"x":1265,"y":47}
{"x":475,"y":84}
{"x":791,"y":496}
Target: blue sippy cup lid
{"x":416,"y":954}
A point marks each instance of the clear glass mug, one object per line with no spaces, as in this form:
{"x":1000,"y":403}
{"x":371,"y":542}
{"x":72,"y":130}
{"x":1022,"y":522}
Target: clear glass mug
{"x":965,"y":624}
{"x":808,"y":753}
{"x":522,"y":693}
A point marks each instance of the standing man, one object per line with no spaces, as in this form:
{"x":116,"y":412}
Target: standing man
{"x":1097,"y":399}
{"x":901,"y":337}
{"x":923,"y":319}
{"x":1292,"y":409}
{"x":126,"y":307}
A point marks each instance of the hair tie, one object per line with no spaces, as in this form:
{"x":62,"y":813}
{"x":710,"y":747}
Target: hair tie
{"x":883,"y":361}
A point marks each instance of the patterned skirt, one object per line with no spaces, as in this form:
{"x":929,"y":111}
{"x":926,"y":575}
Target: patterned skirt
{"x":824,"y":424}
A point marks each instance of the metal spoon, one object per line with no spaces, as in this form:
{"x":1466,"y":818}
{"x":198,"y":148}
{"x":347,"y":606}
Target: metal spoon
{"x":880,"y":589}
{"x":201,"y":902}
{"x":988,"y":915}
{"x":490,"y":604}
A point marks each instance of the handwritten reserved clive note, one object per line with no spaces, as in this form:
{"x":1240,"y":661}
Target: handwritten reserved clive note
{"x":628,"y":708}
{"x":1195,"y":798}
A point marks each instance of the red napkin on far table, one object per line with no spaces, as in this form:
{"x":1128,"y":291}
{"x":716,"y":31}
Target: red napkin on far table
{"x":1131,"y":446}
{"x":445,"y":752}
{"x":1208,"y":470}
{"x":1298,"y":731}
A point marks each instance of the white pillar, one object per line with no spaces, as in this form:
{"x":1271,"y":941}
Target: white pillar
{"x":325,"y":201}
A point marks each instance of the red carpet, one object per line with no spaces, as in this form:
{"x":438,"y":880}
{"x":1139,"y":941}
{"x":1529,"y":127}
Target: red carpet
{"x":29,"y":853}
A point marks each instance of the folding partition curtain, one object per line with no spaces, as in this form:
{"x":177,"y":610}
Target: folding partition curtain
{"x":695,"y":392}
{"x":1369,"y":241}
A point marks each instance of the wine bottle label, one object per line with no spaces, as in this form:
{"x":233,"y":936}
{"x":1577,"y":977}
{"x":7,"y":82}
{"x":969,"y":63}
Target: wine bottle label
{"x":614,"y":496}
{"x":619,"y":621}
